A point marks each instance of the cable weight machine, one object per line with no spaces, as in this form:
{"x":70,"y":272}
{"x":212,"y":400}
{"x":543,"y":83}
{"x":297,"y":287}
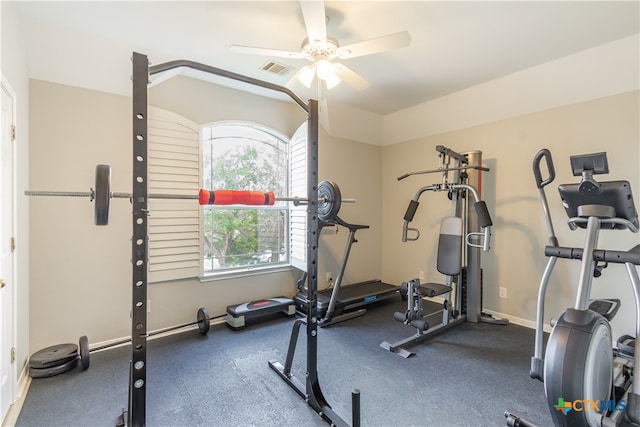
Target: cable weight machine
{"x":461,"y":242}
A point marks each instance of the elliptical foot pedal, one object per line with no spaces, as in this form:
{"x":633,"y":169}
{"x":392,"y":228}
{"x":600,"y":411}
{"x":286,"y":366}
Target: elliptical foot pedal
{"x":627,"y":345}
{"x":607,"y":308}
{"x":239,"y":314}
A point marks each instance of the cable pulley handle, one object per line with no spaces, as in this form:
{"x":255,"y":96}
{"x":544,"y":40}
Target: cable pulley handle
{"x":537,"y":173}
{"x":408,"y":217}
{"x":405,"y":232}
{"x":484,"y":221}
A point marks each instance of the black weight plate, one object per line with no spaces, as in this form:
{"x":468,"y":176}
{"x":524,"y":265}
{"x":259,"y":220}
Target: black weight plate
{"x":83,"y":344}
{"x":204,"y":321}
{"x":102,"y":194}
{"x":54,"y":370}
{"x":329,"y":207}
{"x":53,"y":356}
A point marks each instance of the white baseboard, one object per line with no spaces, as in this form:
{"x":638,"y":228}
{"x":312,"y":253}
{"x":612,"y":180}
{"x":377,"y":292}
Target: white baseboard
{"x":14,"y":410}
{"x":516,"y":320}
{"x":118,"y":341}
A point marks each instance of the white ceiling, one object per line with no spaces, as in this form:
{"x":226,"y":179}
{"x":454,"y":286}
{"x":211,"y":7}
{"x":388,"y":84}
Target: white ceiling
{"x":455,"y":44}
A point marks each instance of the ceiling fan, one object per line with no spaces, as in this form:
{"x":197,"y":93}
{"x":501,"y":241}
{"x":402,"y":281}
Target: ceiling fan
{"x":321,"y":50}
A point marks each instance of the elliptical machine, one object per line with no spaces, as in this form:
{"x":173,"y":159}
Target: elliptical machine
{"x":586,"y":383}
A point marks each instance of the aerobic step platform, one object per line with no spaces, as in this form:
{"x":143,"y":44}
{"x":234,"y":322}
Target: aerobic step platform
{"x":238,"y":315}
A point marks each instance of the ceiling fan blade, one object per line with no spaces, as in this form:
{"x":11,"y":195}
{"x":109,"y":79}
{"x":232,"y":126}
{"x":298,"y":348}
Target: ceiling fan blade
{"x":376,"y":45}
{"x":264,"y":51}
{"x":350,"y":77}
{"x":314,"y":20}
{"x":304,"y":75}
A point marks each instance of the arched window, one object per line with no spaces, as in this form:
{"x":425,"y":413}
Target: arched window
{"x":186,"y":240}
{"x":245,"y":156}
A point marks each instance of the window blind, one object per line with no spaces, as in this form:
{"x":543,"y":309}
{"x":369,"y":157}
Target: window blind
{"x":298,"y":187}
{"x":174,"y":168}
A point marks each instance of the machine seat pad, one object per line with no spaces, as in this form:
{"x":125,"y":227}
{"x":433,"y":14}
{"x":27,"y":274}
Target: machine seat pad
{"x":433,"y":289}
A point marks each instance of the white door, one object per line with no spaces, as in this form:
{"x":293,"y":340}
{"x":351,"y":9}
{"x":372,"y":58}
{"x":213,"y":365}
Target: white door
{"x":6,"y":258}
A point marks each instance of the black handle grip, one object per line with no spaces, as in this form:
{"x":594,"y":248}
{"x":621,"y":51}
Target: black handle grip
{"x":411,"y":210}
{"x":536,"y":168}
{"x":484,"y":219}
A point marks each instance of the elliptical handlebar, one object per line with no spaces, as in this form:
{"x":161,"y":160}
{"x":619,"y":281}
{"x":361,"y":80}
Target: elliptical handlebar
{"x":541,"y":183}
{"x":537,"y":173}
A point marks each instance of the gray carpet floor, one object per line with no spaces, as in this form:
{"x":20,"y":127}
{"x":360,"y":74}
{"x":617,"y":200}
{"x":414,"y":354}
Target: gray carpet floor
{"x":466,"y":376}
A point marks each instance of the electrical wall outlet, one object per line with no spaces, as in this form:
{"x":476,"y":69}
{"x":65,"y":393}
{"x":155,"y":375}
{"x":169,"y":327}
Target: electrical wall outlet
{"x":503,"y":292}
{"x":148,"y":306}
{"x":329,"y":277}
{"x":421,"y":275}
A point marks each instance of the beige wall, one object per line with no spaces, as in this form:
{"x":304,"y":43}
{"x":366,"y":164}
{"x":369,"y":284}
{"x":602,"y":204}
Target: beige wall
{"x":516,"y":260}
{"x":357,"y":168}
{"x":81,"y":274}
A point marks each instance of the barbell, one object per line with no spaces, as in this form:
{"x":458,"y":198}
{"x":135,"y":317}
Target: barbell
{"x":329,"y":197}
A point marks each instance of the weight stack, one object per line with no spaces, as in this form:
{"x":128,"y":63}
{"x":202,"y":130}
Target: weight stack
{"x":463,"y":280}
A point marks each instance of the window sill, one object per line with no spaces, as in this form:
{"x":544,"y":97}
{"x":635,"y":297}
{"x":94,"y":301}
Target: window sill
{"x":246,"y":272}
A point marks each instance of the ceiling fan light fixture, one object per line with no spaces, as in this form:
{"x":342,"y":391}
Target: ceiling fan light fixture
{"x":326,"y":71}
{"x":306,"y":75}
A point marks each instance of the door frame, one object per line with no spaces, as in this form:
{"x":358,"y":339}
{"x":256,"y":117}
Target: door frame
{"x":11,"y":328}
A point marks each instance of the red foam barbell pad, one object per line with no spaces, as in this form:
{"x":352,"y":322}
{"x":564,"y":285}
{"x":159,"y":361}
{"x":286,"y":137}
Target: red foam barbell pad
{"x":235,"y":197}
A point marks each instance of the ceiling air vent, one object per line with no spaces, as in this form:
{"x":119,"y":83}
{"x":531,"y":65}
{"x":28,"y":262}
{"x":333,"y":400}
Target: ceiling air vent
{"x":274,"y":67}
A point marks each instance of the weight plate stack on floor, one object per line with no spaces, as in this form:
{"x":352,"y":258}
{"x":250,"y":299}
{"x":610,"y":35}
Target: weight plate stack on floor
{"x":53,"y":360}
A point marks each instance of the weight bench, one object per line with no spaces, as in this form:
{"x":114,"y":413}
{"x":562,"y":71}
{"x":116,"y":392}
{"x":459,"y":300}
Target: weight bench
{"x":239,"y":314}
{"x":449,"y":263}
